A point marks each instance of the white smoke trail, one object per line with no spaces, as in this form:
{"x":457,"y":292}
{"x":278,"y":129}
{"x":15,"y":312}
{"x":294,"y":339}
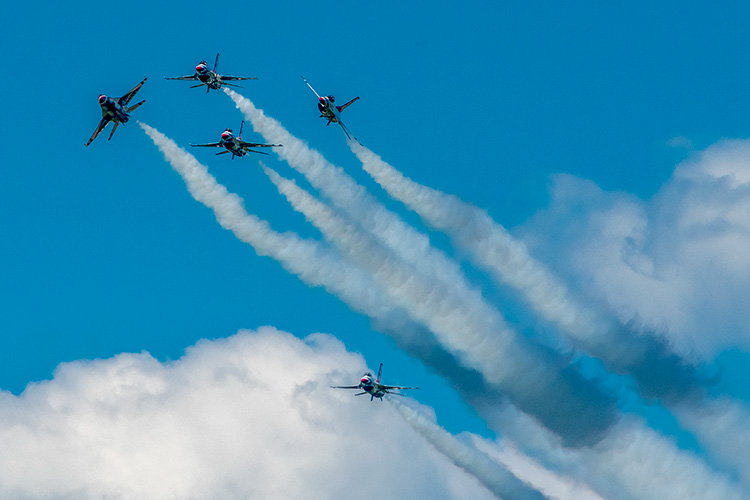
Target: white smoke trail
{"x":312,"y":262}
{"x":532,"y":472}
{"x":230,"y":213}
{"x":461,"y":329}
{"x":336,"y":185}
{"x":478,"y":338}
{"x":489,"y":243}
{"x":720,"y":426}
{"x":493,"y":476}
{"x":445,"y":277}
{"x":632,"y":462}
{"x":658,"y":372}
{"x":623,"y":349}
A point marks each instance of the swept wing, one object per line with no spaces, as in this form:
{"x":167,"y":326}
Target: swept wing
{"x":124,"y":100}
{"x":103,"y":123}
{"x":188,"y":77}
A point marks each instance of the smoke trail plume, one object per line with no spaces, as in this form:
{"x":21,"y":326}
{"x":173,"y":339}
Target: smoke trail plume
{"x":314,"y":263}
{"x":659,"y":372}
{"x":539,"y":367}
{"x":531,"y":471}
{"x":624,"y":348}
{"x":309,"y":260}
{"x":534,"y":379}
{"x":493,"y":476}
{"x":317,"y":265}
{"x":632,"y":462}
{"x":336,"y":185}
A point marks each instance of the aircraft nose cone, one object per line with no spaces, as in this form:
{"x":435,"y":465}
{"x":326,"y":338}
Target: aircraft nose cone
{"x":102,"y":98}
{"x":225,"y":136}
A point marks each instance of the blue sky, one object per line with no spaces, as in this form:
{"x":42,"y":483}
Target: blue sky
{"x":565,"y":123}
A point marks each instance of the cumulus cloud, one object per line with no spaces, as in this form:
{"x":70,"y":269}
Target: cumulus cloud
{"x":632,"y":462}
{"x":677,"y":262}
{"x":250,"y":416}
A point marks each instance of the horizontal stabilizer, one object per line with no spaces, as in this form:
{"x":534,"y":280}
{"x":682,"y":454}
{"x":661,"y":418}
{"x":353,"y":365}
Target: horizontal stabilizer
{"x":134,"y":106}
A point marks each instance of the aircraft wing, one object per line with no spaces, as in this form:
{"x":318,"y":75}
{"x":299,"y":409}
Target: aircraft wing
{"x":230,"y":78}
{"x":127,"y":97}
{"x":389,"y":387}
{"x":207,"y":145}
{"x":255,"y":145}
{"x":345,"y":387}
{"x":103,"y":123}
{"x":188,"y":77}
{"x":342,"y":108}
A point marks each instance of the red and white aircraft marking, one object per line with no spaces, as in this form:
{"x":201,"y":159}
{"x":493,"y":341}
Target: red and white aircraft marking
{"x":373,"y":387}
{"x":209,"y":77}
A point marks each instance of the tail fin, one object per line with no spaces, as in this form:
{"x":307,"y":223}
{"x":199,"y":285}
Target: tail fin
{"x":239,"y":137}
{"x":380,"y":370}
{"x":131,"y":108}
{"x":216,"y":62}
{"x":113,"y":130}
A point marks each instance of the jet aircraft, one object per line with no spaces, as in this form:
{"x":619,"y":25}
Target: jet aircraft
{"x":235,"y":145}
{"x":329,"y":110}
{"x":209,"y":77}
{"x":373,"y":387}
{"x":116,"y":110}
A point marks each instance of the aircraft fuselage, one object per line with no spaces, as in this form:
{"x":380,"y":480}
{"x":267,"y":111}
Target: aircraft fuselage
{"x":207,"y":76}
{"x":113,"y":109}
{"x":328,"y":109}
{"x":371,"y":387}
{"x":231,"y":144}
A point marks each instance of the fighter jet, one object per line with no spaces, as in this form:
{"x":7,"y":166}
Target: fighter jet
{"x":235,"y":145}
{"x":209,"y":77}
{"x":373,"y":387}
{"x":329,"y":110}
{"x":116,"y":110}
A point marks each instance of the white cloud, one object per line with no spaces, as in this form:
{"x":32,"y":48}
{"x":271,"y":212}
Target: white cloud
{"x":678,"y":262}
{"x":632,"y":462}
{"x":250,"y":416}
{"x":527,"y":469}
